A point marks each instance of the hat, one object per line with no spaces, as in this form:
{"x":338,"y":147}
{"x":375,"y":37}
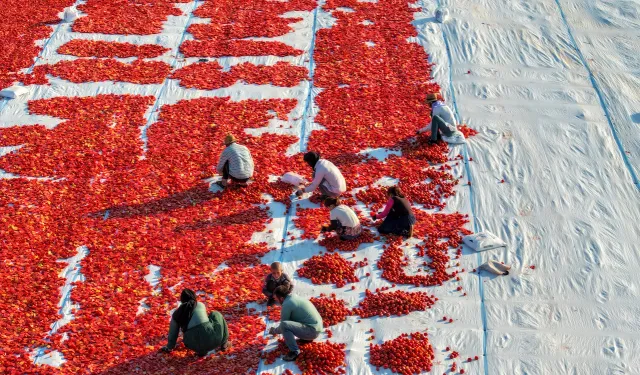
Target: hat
{"x":433,"y":96}
{"x":229,"y":139}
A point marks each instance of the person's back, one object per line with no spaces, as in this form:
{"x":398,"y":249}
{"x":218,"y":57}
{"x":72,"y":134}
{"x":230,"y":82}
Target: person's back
{"x":240,"y":160}
{"x":401,"y":207}
{"x":345,"y":216}
{"x":444,"y":112}
{"x":301,"y":310}
{"x":332,"y":175}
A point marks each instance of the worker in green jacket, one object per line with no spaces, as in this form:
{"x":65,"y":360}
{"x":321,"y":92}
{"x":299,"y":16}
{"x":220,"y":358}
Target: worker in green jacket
{"x":298,"y":318}
{"x":200,"y":332}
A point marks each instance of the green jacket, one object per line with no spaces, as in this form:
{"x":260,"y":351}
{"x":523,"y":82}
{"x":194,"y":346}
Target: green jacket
{"x":301,"y":310}
{"x":204,"y":333}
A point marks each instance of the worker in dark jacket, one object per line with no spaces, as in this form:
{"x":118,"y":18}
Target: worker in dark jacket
{"x":274,"y":280}
{"x":397,"y":214}
{"x":200,"y":333}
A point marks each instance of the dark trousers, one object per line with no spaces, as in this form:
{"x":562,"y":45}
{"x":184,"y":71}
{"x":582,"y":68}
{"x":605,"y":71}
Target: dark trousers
{"x":226,"y":175}
{"x":438,"y":125}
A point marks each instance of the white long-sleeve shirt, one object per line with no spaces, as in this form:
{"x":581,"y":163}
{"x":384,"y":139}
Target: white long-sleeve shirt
{"x":443,"y":111}
{"x":345,"y":216}
{"x":240,"y":161}
{"x":327,"y":174}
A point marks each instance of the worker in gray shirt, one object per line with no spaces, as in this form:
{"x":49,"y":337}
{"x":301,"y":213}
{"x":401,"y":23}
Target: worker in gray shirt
{"x":298,"y":318}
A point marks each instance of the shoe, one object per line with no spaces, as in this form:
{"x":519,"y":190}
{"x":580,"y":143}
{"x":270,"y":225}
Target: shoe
{"x":291,"y":356}
{"x":456,"y":139}
{"x":222,"y":183}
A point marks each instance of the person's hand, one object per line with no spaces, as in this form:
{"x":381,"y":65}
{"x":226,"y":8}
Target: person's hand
{"x":299,"y":193}
{"x":373,"y":215}
{"x":165,"y":349}
{"x":272,"y":331}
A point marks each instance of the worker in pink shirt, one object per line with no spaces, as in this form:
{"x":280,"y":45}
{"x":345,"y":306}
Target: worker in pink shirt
{"x":397,"y":214}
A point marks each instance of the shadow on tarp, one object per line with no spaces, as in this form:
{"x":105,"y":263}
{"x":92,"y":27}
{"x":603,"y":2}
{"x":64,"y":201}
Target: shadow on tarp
{"x":194,"y":196}
{"x":179,"y":362}
{"x":248,"y":216}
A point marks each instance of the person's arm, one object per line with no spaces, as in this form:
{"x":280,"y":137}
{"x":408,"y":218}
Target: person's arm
{"x":224,"y":157}
{"x":422,"y":130}
{"x":174,"y":329}
{"x":266,"y":291}
{"x":428,"y":127}
{"x":333,"y":225}
{"x":316,"y":181}
{"x":386,"y":210}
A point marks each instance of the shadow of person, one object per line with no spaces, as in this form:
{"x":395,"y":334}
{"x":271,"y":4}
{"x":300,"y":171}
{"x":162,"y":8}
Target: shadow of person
{"x":196,"y":195}
{"x":243,"y":217}
{"x":636,"y":118}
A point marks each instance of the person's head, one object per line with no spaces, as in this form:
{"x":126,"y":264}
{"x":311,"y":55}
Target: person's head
{"x":187,"y":295}
{"x":281,"y":293}
{"x":276,"y":269}
{"x":331,"y":202}
{"x":433,"y":97}
{"x":395,"y":191}
{"x":229,"y":139}
{"x":311,"y":158}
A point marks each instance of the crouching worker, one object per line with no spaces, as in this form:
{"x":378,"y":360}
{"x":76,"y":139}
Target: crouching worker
{"x":326,"y":177}
{"x":273,"y":280}
{"x":235,"y":164}
{"x":200,"y":333}
{"x":343,"y":220}
{"x":397,"y":214}
{"x":298,"y":318}
{"x":442,"y":121}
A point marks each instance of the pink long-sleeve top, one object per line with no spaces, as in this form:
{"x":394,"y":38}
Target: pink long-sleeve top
{"x":386,"y":210}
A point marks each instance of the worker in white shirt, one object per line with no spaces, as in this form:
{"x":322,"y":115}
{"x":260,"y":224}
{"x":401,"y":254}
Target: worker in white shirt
{"x":344,"y":221}
{"x":326,"y":177}
{"x":442,"y":121}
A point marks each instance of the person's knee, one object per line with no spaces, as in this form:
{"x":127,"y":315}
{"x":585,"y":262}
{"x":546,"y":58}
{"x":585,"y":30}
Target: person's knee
{"x":285,"y":326}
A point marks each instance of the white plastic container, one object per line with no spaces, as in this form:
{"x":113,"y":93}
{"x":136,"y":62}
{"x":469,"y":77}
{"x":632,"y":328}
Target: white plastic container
{"x":292,"y":178}
{"x":70,"y":14}
{"x":442,"y":15}
{"x":483,"y":241}
{"x":13,"y":92}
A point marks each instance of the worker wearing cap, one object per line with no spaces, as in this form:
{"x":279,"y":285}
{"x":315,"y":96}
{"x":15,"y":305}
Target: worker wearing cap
{"x":442,"y":121}
{"x":235,"y":164}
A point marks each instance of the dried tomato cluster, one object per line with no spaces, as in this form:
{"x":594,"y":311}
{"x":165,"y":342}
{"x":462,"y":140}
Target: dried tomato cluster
{"x":273,"y":313}
{"x":209,"y":76}
{"x":393,"y":303}
{"x":310,"y":220}
{"x":328,"y":269}
{"x":331,"y":309}
{"x":140,"y":17}
{"x":136,"y":200}
{"x":315,"y":357}
{"x":26,"y":23}
{"x":407,"y":354}
{"x":101,"y":48}
{"x":333,"y":242}
{"x":98,"y":70}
